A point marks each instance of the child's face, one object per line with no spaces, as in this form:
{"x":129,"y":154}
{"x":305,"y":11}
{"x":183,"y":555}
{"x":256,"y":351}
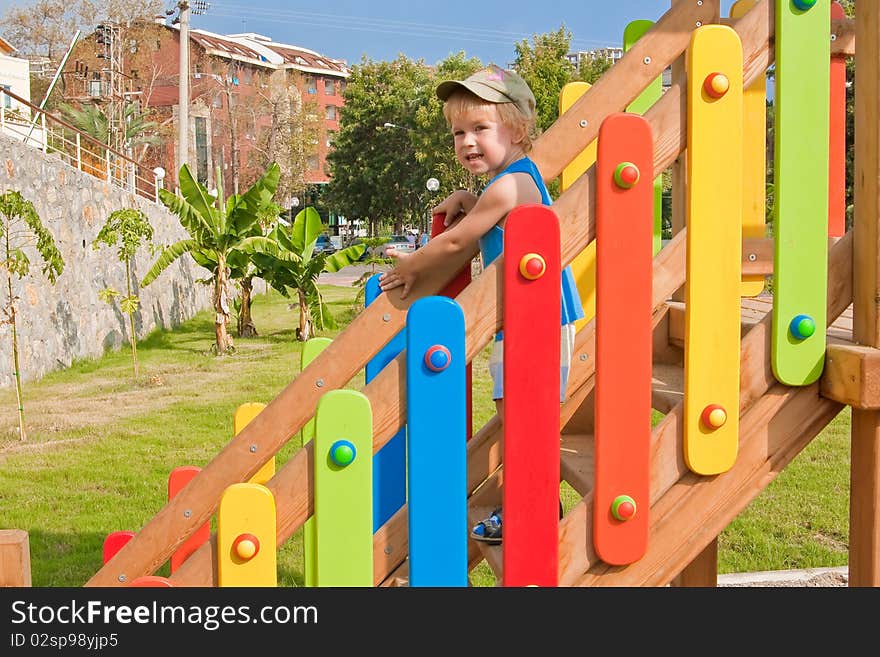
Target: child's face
{"x":483,"y":144}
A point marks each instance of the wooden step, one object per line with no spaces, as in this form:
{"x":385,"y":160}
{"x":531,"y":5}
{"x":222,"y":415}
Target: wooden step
{"x":667,"y":386}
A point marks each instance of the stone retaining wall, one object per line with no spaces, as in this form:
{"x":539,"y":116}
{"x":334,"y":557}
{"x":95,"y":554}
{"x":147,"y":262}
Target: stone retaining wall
{"x":66,"y":322}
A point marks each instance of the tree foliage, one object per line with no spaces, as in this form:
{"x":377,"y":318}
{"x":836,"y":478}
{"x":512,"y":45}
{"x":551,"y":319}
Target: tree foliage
{"x":543,"y":65}
{"x":376,"y":175}
{"x":46,"y":27}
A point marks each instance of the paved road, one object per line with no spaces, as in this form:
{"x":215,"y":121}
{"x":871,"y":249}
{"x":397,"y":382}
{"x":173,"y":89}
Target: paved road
{"x":348,"y":275}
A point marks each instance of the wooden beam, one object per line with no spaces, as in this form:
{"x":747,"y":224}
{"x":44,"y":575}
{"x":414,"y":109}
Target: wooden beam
{"x":852,"y":376}
{"x":864,"y":518}
{"x":15,"y":558}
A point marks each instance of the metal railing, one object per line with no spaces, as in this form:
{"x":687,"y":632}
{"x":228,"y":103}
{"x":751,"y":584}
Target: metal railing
{"x":39,"y":129}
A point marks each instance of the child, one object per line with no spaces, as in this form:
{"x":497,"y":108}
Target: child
{"x":492,"y":116}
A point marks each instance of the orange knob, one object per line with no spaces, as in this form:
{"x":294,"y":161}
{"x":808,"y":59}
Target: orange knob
{"x":246,"y":546}
{"x":713,"y":416}
{"x":716,"y":85}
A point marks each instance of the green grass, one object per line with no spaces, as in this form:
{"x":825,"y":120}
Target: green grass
{"x":100,"y":447}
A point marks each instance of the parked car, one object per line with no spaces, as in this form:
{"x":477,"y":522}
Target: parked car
{"x":324,"y":245}
{"x":400,"y":242}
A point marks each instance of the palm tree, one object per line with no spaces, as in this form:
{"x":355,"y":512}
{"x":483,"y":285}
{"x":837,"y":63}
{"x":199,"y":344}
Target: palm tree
{"x":288,"y":261}
{"x":219,"y":233}
{"x":92,"y":120}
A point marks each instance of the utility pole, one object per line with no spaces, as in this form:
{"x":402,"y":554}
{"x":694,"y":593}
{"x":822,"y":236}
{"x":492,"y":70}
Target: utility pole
{"x":183,"y":97}
{"x":183,"y":6}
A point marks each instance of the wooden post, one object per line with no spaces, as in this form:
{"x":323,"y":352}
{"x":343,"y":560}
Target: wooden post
{"x":15,"y":558}
{"x":864,"y":515}
{"x":702,"y":571}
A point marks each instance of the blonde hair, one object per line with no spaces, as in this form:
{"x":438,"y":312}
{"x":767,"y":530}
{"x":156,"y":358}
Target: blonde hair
{"x":462,"y":102}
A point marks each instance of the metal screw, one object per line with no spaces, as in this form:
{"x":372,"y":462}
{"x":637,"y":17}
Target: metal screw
{"x":583,"y":123}
{"x":699,"y":23}
{"x":187,"y":514}
{"x":320,"y":383}
{"x":387,"y":549}
{"x":699,"y":3}
{"x":121,"y":578}
{"x":752,"y":257}
{"x":647,"y":60}
{"x":583,"y":357}
{"x":253,"y":449}
{"x":834,"y":37}
{"x":386,"y":317}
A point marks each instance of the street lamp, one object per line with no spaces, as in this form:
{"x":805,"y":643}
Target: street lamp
{"x":432,"y":185}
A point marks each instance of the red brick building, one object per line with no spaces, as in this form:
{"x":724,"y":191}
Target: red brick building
{"x":246,"y":94}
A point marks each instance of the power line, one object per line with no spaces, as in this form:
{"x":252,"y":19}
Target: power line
{"x":384,"y":26}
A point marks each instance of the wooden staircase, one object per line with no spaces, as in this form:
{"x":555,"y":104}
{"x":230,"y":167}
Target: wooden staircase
{"x":687,"y":511}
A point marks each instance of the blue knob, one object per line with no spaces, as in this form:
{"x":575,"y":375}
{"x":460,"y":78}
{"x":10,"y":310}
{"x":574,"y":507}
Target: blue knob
{"x":342,"y":452}
{"x":803,"y":5}
{"x":802,"y":327}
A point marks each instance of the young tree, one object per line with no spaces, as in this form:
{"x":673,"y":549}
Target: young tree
{"x":289,"y":262}
{"x":20,"y":228}
{"x":217,"y":230}
{"x":129,"y":228}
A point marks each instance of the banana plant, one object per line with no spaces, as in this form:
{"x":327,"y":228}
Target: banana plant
{"x":288,"y":262}
{"x":20,"y":227}
{"x":218,"y":232}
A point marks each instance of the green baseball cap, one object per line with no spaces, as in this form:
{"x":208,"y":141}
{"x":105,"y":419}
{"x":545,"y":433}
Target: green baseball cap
{"x":496,"y":85}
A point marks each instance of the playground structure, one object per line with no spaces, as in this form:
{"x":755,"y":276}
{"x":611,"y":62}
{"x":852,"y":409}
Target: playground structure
{"x":768,"y":414}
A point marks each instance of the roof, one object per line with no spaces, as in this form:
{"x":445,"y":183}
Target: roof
{"x":262,"y":51}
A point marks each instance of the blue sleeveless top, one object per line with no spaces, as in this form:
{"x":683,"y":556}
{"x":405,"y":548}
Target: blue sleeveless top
{"x":492,"y":244}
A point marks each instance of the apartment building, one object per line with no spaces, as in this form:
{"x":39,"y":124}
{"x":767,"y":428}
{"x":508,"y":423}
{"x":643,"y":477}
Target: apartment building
{"x":242,"y":87}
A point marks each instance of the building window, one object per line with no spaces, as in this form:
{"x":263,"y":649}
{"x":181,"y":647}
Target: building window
{"x":310,"y":85}
{"x":330,"y":112}
{"x":329,"y":87}
{"x":7,"y":100}
{"x":95,"y":88}
{"x":312,"y":163}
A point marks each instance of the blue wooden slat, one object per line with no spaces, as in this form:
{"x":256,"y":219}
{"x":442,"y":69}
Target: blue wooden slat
{"x":389,"y":463}
{"x":436,"y":395}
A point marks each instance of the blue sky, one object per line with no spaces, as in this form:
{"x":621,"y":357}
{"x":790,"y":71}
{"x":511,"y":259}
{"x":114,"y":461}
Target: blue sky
{"x":421,"y":29}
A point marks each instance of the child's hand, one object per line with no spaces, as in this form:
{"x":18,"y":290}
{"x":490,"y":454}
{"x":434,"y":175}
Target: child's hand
{"x":455,"y":205}
{"x":399,"y":276}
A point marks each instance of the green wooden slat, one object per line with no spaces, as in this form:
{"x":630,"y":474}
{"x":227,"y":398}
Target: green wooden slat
{"x":311,"y":349}
{"x":800,"y":272}
{"x":344,"y":493}
{"x":633,"y":31}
